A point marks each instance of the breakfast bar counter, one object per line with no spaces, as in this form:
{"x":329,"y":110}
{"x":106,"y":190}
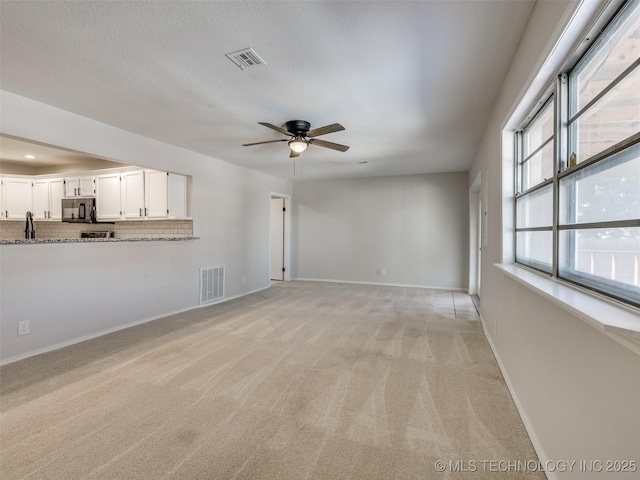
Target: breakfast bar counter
{"x":91,"y":240}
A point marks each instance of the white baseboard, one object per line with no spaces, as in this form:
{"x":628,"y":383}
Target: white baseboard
{"x":428,"y":287}
{"x":91,"y":336}
{"x":535,"y":441}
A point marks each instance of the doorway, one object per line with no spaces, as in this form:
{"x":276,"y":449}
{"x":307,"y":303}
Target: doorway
{"x":479,"y":247}
{"x":476,"y":237}
{"x":279,"y":237}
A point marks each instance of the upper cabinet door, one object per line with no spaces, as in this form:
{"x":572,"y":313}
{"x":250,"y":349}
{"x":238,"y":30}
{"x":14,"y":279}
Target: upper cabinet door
{"x":80,"y":187}
{"x":157,"y":193}
{"x":71,"y":187}
{"x":2,"y":210}
{"x":41,"y":199}
{"x":56,"y":193}
{"x":108,"y":196}
{"x":133,"y":194}
{"x":177,"y":196}
{"x":18,"y":197}
{"x":86,"y":187}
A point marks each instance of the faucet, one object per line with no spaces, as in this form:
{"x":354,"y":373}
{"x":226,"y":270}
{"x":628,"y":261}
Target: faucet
{"x":29,"y":234}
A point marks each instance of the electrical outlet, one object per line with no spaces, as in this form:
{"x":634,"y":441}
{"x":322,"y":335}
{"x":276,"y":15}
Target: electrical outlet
{"x":24,"y":327}
{"x":378,"y":272}
{"x":383,"y":271}
{"x":244,"y":280}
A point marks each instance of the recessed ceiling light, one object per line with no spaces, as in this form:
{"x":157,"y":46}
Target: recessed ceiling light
{"x":29,"y":156}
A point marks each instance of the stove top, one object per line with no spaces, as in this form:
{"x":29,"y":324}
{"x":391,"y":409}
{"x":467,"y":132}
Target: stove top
{"x":106,"y":234}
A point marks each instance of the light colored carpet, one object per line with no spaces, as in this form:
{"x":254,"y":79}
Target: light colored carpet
{"x":303,"y":380}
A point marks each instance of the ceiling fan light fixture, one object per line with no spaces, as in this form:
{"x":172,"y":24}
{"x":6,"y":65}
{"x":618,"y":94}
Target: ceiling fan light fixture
{"x":298,"y":144}
{"x":300,"y":137}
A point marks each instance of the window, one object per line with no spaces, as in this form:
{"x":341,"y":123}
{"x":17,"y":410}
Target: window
{"x":578,"y":168}
{"x":534,"y":199}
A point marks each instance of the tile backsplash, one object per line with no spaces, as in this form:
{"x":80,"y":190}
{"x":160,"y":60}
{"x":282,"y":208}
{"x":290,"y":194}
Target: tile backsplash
{"x":14,"y":229}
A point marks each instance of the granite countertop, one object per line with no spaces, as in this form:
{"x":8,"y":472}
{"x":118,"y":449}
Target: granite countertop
{"x":91,"y":240}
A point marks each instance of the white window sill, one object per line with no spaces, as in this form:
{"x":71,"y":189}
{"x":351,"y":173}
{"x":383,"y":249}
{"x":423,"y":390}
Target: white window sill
{"x":618,"y":322}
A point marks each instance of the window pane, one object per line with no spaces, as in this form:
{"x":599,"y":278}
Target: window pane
{"x":539,"y":130}
{"x":606,"y":191}
{"x":538,"y":168}
{"x":615,"y":117}
{"x":534,"y":249}
{"x":611,"y":55}
{"x":535,"y":209}
{"x":606,"y":259}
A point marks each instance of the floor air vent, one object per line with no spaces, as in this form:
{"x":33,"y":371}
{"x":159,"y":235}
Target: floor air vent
{"x":211,"y":284}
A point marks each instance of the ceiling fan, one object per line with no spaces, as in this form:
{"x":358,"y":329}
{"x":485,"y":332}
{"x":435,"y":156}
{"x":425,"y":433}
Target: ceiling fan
{"x":302,"y":137}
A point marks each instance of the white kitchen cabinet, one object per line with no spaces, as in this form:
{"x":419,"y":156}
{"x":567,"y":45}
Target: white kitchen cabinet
{"x":132,"y":191}
{"x":166,"y":195}
{"x":108,"y":196}
{"x":153,"y":194}
{"x":18,"y":197}
{"x":2,"y":210}
{"x":41,"y":199}
{"x":121,"y":195}
{"x":157,"y":194}
{"x":56,"y":194}
{"x":80,"y":187}
{"x":47,"y":196}
{"x":177,"y":196}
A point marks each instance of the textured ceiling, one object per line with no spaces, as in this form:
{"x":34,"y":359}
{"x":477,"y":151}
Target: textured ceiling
{"x":412,"y":82}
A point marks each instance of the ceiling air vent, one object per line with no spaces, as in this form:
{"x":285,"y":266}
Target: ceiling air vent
{"x":245,"y":58}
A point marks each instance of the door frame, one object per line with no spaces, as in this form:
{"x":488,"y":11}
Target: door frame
{"x":287,"y":234}
{"x":476,"y":235}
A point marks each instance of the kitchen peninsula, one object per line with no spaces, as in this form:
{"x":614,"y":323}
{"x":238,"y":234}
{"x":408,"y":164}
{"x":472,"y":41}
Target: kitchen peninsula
{"x":90,"y":240}
{"x":12,"y":232}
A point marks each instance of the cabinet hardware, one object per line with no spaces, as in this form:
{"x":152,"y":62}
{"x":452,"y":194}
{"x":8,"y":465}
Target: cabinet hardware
{"x":140,"y":211}
{"x":146,"y":212}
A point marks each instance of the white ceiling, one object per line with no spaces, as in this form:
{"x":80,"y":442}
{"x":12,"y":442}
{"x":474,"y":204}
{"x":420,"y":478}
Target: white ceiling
{"x":46,"y":158}
{"x":412,"y":82}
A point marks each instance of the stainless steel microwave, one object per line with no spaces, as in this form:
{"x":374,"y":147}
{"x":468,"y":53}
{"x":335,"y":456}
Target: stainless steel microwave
{"x":79,"y":210}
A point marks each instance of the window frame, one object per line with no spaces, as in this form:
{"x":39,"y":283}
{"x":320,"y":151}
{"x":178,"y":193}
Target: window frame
{"x":565,"y":98}
{"x":520,"y":160}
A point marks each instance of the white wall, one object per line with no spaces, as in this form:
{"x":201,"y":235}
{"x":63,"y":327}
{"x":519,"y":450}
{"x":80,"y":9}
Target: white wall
{"x":576,"y":388}
{"x":72,"y":291}
{"x":414,"y":227}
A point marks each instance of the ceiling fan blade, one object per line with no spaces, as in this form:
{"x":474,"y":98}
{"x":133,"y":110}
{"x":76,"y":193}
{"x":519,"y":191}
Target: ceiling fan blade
{"x":277,"y":129}
{"x":333,"y":146}
{"x":268,"y":141}
{"x":316,"y":132}
{"x":293,"y":154}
